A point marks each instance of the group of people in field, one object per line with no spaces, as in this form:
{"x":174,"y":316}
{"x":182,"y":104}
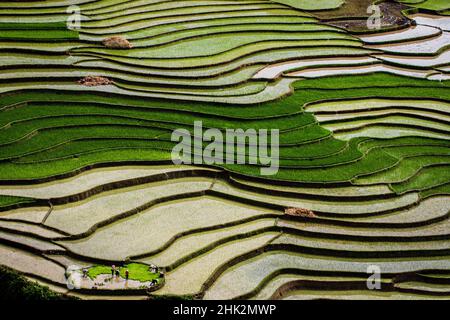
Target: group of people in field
{"x":115,"y":272}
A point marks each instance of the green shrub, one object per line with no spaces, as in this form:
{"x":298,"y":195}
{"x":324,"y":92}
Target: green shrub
{"x":15,"y":287}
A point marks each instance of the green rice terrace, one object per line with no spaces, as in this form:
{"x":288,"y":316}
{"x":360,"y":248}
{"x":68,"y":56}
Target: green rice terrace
{"x":87,"y":179}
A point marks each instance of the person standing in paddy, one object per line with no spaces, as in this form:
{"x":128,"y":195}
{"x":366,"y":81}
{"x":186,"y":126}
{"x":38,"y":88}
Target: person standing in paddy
{"x":113,"y":270}
{"x":127,"y":274}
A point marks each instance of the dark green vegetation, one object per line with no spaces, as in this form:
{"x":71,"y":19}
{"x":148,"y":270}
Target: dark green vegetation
{"x":8,"y":201}
{"x":56,"y":31}
{"x":69,"y":133}
{"x":15,"y":287}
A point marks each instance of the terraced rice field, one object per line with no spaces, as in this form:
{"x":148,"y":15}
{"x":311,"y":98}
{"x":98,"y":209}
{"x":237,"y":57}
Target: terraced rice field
{"x":87,"y":179}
